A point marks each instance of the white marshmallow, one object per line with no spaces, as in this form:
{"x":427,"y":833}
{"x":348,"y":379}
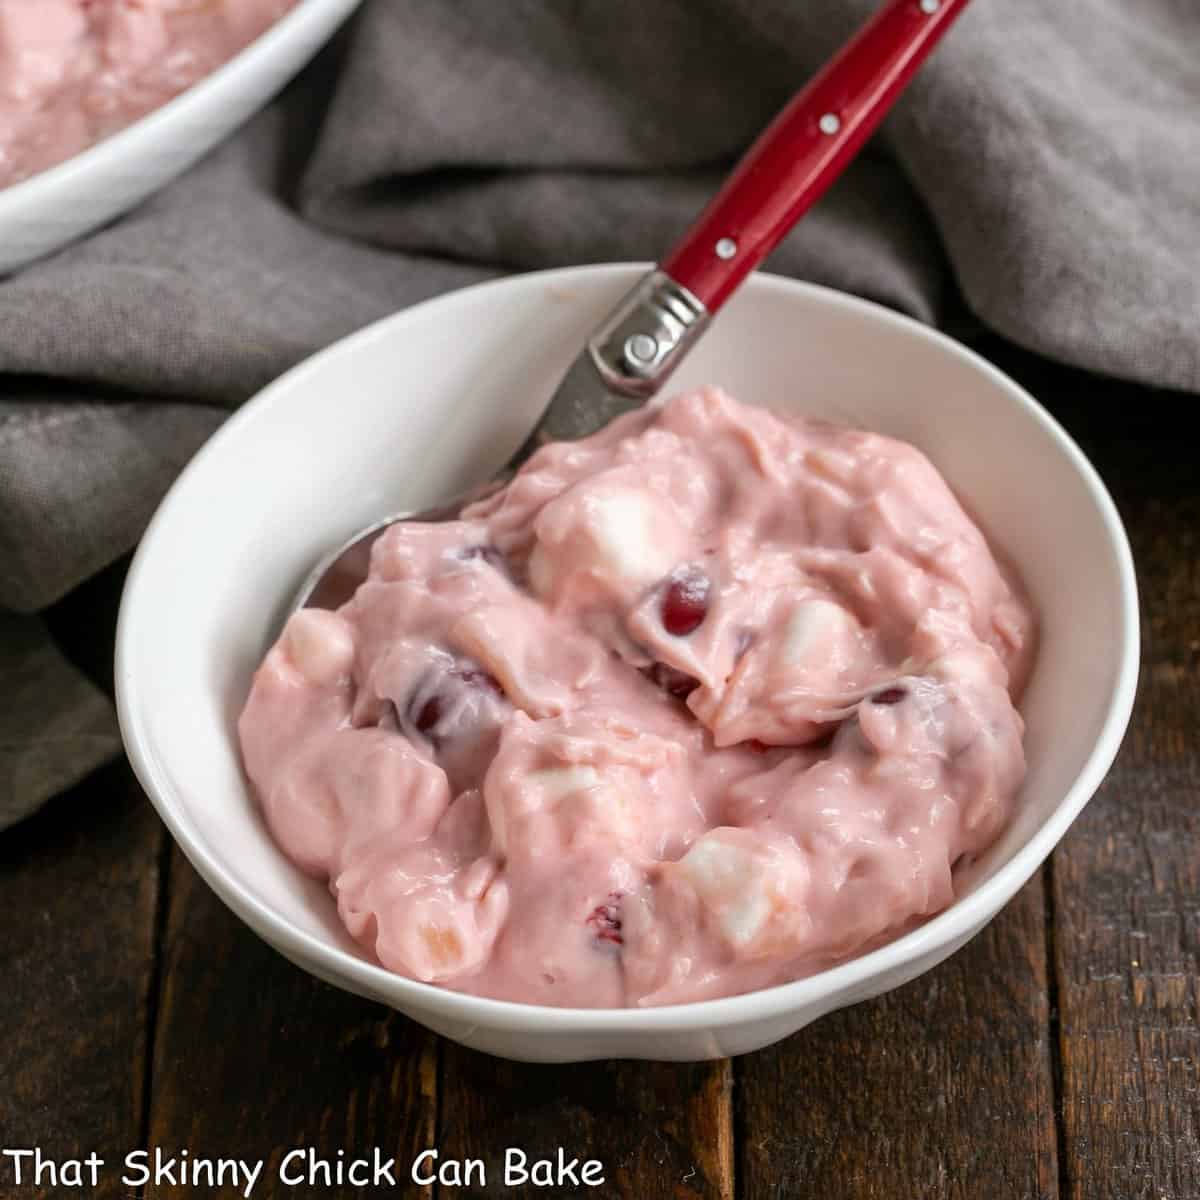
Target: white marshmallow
{"x":554,"y":783}
{"x":628,"y":536}
{"x":320,"y":645}
{"x":811,"y":625}
{"x":627,"y":533}
{"x":579,"y":808}
{"x":730,"y":881}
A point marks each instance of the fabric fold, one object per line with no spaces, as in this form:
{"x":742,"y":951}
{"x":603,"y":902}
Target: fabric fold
{"x":56,"y":726}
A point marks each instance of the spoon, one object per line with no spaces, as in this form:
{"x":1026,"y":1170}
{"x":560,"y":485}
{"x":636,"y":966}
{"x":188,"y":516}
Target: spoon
{"x":636,"y":347}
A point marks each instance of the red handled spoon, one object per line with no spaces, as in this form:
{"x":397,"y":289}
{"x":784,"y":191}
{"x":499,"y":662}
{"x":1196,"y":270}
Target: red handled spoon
{"x":783,"y":174}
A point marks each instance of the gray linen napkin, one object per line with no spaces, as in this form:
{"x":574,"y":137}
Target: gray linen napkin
{"x":1045,"y":169}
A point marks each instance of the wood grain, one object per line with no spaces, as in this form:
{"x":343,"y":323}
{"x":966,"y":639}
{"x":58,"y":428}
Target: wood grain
{"x":78,"y":889}
{"x":659,"y":1129}
{"x":943,"y":1088}
{"x":255,"y":1058}
{"x":1126,"y":881}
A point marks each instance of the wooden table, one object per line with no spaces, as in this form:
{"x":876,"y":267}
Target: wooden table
{"x":1055,"y":1056}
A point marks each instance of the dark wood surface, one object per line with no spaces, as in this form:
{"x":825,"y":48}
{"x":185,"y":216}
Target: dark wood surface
{"x":1056,"y":1056}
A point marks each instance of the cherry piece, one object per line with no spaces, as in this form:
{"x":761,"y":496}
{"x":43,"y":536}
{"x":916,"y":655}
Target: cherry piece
{"x":685,"y":602}
{"x":672,"y":681}
{"x":429,"y":715}
{"x":892,"y":695}
{"x":426,"y":711}
{"x":456,"y":711}
{"x":605,"y":921}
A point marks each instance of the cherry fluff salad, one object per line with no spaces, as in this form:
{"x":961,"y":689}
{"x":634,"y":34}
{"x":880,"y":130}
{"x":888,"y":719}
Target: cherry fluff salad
{"x":709,"y":701}
{"x":75,"y":71}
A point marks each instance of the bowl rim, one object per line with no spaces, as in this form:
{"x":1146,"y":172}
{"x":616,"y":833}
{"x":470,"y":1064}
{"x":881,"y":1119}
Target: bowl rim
{"x":947,"y":929}
{"x":79,"y":167}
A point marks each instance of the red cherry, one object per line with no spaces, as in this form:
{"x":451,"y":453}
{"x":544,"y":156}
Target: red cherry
{"x":430,"y":714}
{"x":605,"y":921}
{"x":456,"y":711}
{"x":672,"y":681}
{"x":427,"y":708}
{"x":685,"y":601}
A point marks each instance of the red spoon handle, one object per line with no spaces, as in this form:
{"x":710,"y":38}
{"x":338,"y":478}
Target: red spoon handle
{"x":806,"y":148}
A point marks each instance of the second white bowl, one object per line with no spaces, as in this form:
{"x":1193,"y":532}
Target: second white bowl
{"x":50,"y":209}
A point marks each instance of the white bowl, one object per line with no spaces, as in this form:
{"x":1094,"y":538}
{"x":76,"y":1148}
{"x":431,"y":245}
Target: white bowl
{"x":437,"y":397}
{"x":50,"y":209}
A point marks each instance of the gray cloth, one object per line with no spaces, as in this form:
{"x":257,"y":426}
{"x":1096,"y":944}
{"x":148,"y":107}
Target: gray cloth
{"x":1044,"y":169}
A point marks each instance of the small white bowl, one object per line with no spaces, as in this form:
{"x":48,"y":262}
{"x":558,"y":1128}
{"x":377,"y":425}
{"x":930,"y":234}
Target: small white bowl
{"x":50,"y":209}
{"x":437,"y":397}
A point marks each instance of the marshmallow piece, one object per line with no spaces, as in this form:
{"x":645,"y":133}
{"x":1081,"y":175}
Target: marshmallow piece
{"x":731,"y":882}
{"x":571,"y":805}
{"x":604,"y":814}
{"x":425,"y":912}
{"x":436,"y":937}
{"x":555,"y":783}
{"x":538,"y":790}
{"x":812,"y":624}
{"x":320,"y":645}
{"x":627,"y":536}
{"x":605,"y":808}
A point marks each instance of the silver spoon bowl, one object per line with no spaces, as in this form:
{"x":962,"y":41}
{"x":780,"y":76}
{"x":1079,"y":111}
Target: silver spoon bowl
{"x":624,"y":363}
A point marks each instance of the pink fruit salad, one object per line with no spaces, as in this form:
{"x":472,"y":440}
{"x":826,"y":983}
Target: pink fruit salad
{"x":74,"y":71}
{"x":709,"y":701}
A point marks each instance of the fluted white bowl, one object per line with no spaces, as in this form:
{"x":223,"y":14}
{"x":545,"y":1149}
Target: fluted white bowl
{"x":437,"y":397}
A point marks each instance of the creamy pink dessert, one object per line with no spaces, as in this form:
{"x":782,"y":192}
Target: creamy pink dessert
{"x":74,"y":71}
{"x":709,"y":701}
